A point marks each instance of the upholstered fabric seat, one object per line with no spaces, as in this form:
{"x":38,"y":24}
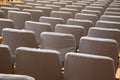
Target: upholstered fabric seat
{"x":42,"y":64}
{"x":80,"y":66}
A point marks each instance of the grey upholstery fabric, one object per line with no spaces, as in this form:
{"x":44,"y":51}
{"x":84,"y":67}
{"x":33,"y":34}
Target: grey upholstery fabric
{"x":54,"y":7}
{"x":21,"y":7}
{"x":110,"y":18}
{"x":42,"y":64}
{"x":37,"y":28}
{"x":6,"y":9}
{"x":80,"y":66}
{"x":85,"y":23}
{"x":36,"y":14}
{"x":19,"y":18}
{"x":105,"y":33}
{"x":52,"y":20}
{"x":79,"y":8}
{"x":73,"y":11}
{"x":100,"y":46}
{"x":15,"y":77}
{"x":83,"y":16}
{"x":5,"y":23}
{"x":76,"y":30}
{"x":61,"y":4}
{"x":5,"y":59}
{"x":17,"y":38}
{"x":60,"y":14}
{"x":98,"y":13}
{"x":101,"y":9}
{"x":46,"y":10}
{"x":113,"y":9}
{"x":58,"y":41}
{"x":112,"y":13}
{"x":108,"y":24}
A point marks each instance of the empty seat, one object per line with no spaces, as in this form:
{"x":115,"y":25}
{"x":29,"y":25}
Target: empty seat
{"x":36,"y":14}
{"x":26,"y":63}
{"x":52,"y":20}
{"x":101,"y":9}
{"x":13,"y":3}
{"x":105,"y":33}
{"x":85,"y":23}
{"x":46,"y":10}
{"x":73,"y":11}
{"x":54,"y":7}
{"x":80,"y":4}
{"x":112,"y":13}
{"x":16,"y":38}
{"x":61,"y":42}
{"x":61,"y":4}
{"x":19,"y":18}
{"x":5,"y":5}
{"x":100,"y":46}
{"x":60,"y":14}
{"x":80,"y":66}
{"x":76,"y":30}
{"x":5,"y":60}
{"x":37,"y":28}
{"x":113,"y":9}
{"x":108,"y":24}
{"x":110,"y":18}
{"x":33,"y":4}
{"x":98,"y":13}
{"x":43,"y":2}
{"x":5,"y":23}
{"x":98,"y":5}
{"x":83,"y":16}
{"x":15,"y":77}
{"x":6,"y":9}
{"x":114,"y":6}
{"x":79,"y":8}
{"x":21,"y":7}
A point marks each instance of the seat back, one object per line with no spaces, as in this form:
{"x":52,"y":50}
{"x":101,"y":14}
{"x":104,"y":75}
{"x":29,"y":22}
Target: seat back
{"x":85,"y":23}
{"x":60,"y":14}
{"x":26,"y":59}
{"x":83,"y":16}
{"x":100,"y":46}
{"x":37,"y":28}
{"x":5,"y":23}
{"x":80,"y":66}
{"x":52,"y":20}
{"x":5,"y":59}
{"x":15,"y":38}
{"x":108,"y":24}
{"x":58,"y":41}
{"x":76,"y":30}
{"x":19,"y":18}
{"x":36,"y":14}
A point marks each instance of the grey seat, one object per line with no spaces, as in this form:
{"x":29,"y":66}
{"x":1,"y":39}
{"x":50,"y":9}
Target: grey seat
{"x":100,"y":46}
{"x":5,"y":23}
{"x":61,"y":42}
{"x":51,"y":20}
{"x":15,"y":38}
{"x":76,"y":30}
{"x":19,"y":18}
{"x":38,"y":28}
{"x":85,"y":23}
{"x":42,"y":64}
{"x":80,"y":66}
{"x":5,"y":59}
